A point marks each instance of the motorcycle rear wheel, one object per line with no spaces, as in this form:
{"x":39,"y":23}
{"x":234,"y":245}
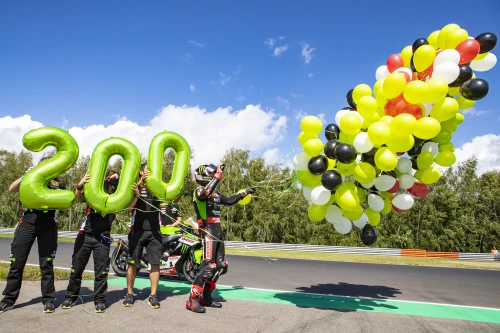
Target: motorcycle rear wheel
{"x":119,"y":262}
{"x":190,"y":270}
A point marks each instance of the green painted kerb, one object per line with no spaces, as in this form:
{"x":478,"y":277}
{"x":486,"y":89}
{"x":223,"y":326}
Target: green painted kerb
{"x":330,"y":302}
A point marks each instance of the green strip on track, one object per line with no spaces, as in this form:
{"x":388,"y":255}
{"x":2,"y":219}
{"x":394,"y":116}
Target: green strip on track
{"x":330,"y":302}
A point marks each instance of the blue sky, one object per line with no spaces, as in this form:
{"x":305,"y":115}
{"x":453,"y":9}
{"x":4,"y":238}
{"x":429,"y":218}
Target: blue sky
{"x":87,"y":61}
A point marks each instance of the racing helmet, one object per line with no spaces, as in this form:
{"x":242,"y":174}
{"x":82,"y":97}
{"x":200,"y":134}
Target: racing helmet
{"x":204,"y":173}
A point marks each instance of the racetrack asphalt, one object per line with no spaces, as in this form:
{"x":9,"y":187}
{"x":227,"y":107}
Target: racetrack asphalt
{"x":292,"y":295}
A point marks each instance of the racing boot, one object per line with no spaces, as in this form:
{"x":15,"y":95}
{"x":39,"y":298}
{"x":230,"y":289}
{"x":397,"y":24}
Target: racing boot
{"x":206,"y":298}
{"x":193,"y":303}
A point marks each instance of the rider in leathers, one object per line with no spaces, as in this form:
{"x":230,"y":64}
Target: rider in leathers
{"x":207,"y":204}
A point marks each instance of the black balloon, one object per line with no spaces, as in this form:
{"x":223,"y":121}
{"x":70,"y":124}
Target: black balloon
{"x":345,"y":153}
{"x":348,"y":108}
{"x":317,"y":165}
{"x":412,"y":66}
{"x":371,"y":152}
{"x":419,"y":42}
{"x":487,"y":41}
{"x":474,"y":89}
{"x":368,"y":235}
{"x":330,"y":148}
{"x":331,"y":179}
{"x":417,"y":147}
{"x":370,"y":159}
{"x":464,"y":76}
{"x":414,"y":164}
{"x":350,"y":101}
{"x":332,"y":131}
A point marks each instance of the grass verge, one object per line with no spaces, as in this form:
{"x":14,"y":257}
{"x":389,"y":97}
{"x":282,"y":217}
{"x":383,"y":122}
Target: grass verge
{"x":367,"y":258}
{"x":32,"y":273}
{"x":64,"y":240}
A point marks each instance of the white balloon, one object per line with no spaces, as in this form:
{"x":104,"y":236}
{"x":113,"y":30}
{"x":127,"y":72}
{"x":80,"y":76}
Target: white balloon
{"x":358,"y":159}
{"x":428,"y":108}
{"x":404,"y":165}
{"x":320,"y":195}
{"x":300,"y":161}
{"x":368,"y":185}
{"x":375,"y":202}
{"x":333,"y":214}
{"x":448,"y":71}
{"x":344,"y":226}
{"x":447,"y":55}
{"x":307,"y":192}
{"x":362,"y":143}
{"x":339,"y":116}
{"x":431,"y":147}
{"x":406,"y":181}
{"x":382,"y":72}
{"x":484,"y":64}
{"x":384,"y":182}
{"x":405,"y":70}
{"x":403,"y":201}
{"x":361,"y":222}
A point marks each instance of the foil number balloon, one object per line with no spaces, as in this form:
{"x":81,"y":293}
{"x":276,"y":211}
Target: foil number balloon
{"x":33,"y":191}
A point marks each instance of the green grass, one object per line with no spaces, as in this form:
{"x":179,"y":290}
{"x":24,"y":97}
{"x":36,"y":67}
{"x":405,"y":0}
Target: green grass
{"x":64,"y":240}
{"x":367,"y":258}
{"x":32,"y":273}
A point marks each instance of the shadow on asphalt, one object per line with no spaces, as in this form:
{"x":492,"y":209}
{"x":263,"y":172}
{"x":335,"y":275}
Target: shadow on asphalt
{"x":342,"y":297}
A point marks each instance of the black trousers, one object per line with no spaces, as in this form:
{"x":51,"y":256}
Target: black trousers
{"x":85,"y":245}
{"x":32,"y":227}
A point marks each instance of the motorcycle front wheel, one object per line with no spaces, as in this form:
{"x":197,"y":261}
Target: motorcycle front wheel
{"x":119,"y":262}
{"x":190,"y":270}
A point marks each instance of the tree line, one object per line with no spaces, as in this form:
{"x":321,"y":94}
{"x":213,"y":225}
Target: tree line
{"x":460,"y":213}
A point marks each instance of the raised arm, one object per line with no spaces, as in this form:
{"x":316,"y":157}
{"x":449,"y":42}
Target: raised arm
{"x":14,"y":187}
{"x":204,"y":192}
{"x":232,"y":200}
{"x":79,"y":188}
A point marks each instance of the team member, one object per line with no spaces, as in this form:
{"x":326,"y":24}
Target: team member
{"x":207,"y":206}
{"x":42,"y":226}
{"x":170,"y":214}
{"x":94,"y":238}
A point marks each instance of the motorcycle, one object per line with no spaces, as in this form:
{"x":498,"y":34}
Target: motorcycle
{"x":182,"y":253}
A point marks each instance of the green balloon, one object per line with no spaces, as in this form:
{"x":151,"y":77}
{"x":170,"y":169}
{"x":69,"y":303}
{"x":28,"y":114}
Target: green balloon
{"x":34,"y":193}
{"x":317,"y":213}
{"x":446,"y":146}
{"x":161,"y":142}
{"x":446,"y":158}
{"x":425,"y":160}
{"x":94,"y":191}
{"x":443,"y":136}
{"x":308,"y":179}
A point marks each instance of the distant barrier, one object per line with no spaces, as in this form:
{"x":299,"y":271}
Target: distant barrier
{"x":324,"y":249}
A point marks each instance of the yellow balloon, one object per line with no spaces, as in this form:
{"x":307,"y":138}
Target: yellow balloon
{"x":400,"y":144}
{"x":403,"y":124}
{"x":246,"y":200}
{"x":459,"y":118}
{"x":427,"y":128}
{"x":381,"y":100}
{"x":430,"y":176}
{"x":317,"y":213}
{"x":370,"y":120}
{"x":304,"y":137}
{"x":387,"y":207}
{"x":346,"y":169}
{"x":346,"y":197}
{"x":446,"y":158}
{"x":361,"y":90}
{"x":443,"y":136}
{"x":308,"y":179}
{"x":385,"y":159}
{"x":311,"y":124}
{"x":445,"y":109}
{"x":418,"y":174}
{"x":386,"y":195}
{"x":425,"y":160}
{"x":379,"y":133}
{"x":436,"y":90}
{"x":353,"y":214}
{"x":373,"y":217}
{"x":464,"y":104}
{"x":378,"y":85}
{"x":450,"y":125}
{"x":443,"y":34}
{"x":456,"y":37}
{"x":331,"y":164}
{"x":424,"y":57}
{"x":367,"y":106}
{"x":364,"y":173}
{"x":387,"y":120}
{"x":446,"y":146}
{"x":433,"y":39}
{"x":361,"y":195}
{"x":331,"y":201}
{"x":453,"y":91}
{"x":313,"y":147}
{"x":480,"y":56}
{"x":350,"y":123}
{"x":343,"y":137}
{"x":415,"y":92}
{"x":394,"y":84}
{"x":406,"y":55}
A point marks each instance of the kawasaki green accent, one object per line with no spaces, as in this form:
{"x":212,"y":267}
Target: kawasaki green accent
{"x":72,"y":270}
{"x":202,"y":206}
{"x":50,"y":259}
{"x":198,"y":253}
{"x":131,"y":262}
{"x":104,"y":273}
{"x":13,"y":259}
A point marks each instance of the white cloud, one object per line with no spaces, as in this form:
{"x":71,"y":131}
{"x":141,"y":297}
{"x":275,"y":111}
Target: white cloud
{"x":192,"y":87}
{"x":271,"y":156}
{"x":306,"y":53}
{"x":64,"y":123}
{"x":283,"y":101}
{"x":188,"y":56}
{"x":240,"y":97}
{"x":310,"y":75}
{"x":474,"y":112}
{"x":280,"y":50}
{"x":224,"y":79}
{"x":296,"y":95}
{"x":487,"y":150}
{"x":197,"y":44}
{"x":233,"y":128}
{"x":281,"y":37}
{"x":237,"y":72}
{"x":270,"y":42}
{"x":322,"y":117}
{"x":299,"y":114}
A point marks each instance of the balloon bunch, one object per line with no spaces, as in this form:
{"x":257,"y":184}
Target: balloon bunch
{"x":384,"y":149}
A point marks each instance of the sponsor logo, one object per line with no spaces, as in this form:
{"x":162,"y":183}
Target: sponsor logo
{"x":186,"y":241}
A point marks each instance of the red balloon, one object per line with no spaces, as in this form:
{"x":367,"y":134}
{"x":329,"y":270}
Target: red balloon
{"x":395,"y":106}
{"x":395,"y":188}
{"x":422,"y":76}
{"x":468,"y":50}
{"x":415,"y":110}
{"x":396,"y":209}
{"x":394,"y":62}
{"x":419,"y":190}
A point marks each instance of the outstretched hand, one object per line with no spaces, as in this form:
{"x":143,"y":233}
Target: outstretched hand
{"x":250,"y":190}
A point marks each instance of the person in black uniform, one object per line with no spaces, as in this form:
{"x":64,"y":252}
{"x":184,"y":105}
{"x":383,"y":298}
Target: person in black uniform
{"x":40,"y":225}
{"x":94,"y":238}
{"x":170,"y":214}
{"x":207,"y":204}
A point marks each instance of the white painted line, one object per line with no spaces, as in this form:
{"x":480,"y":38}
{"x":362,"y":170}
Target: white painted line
{"x":61,"y":268}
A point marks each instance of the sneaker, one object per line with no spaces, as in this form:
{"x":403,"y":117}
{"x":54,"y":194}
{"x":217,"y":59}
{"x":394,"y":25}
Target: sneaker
{"x":4,"y":306}
{"x":49,"y":307}
{"x":100,"y":307}
{"x":129,"y":300}
{"x":153,"y":301}
{"x":68,"y":303}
